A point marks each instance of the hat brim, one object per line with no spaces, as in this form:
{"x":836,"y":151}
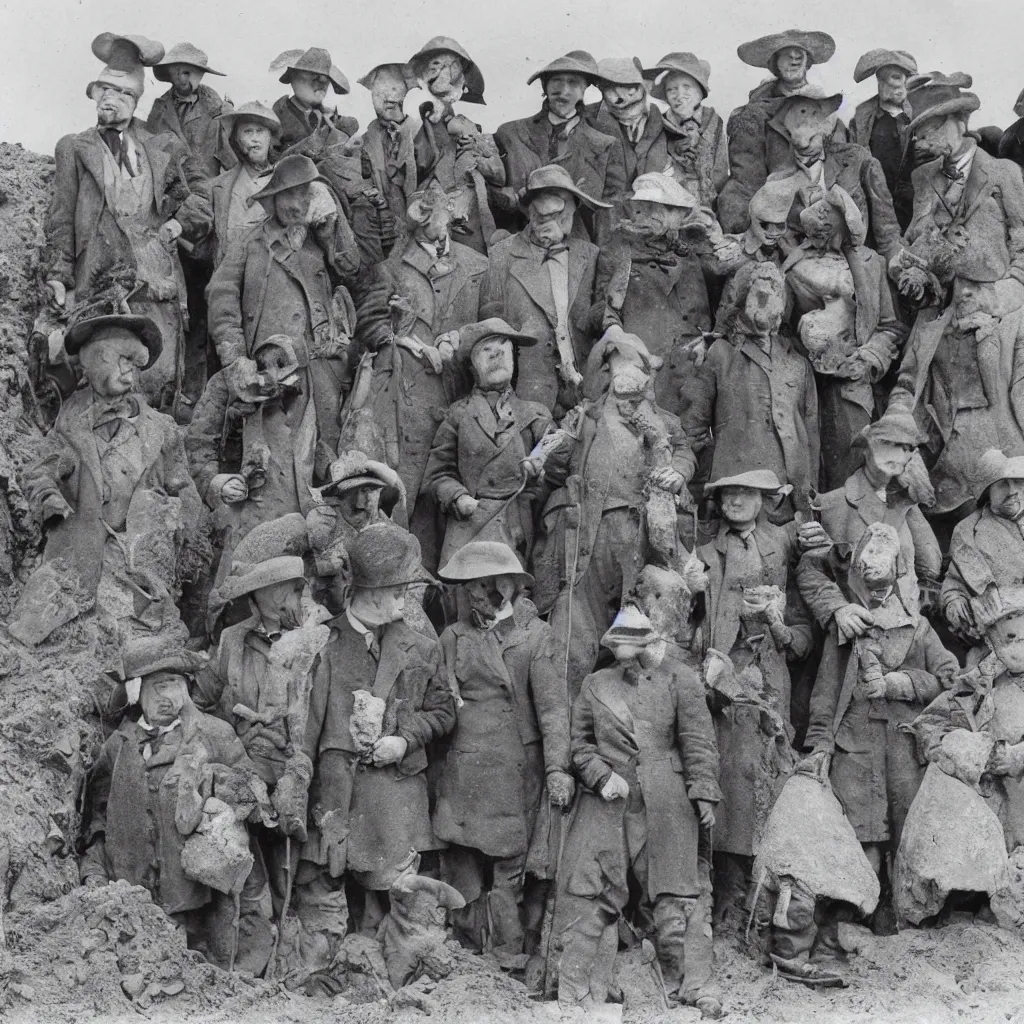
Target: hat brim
{"x":967,"y":103}
{"x":351,"y":483}
{"x":270,"y":190}
{"x":233,"y":117}
{"x":521,"y":577}
{"x":518,"y":341}
{"x":472,"y":75}
{"x":568,"y":69}
{"x":407,"y":76}
{"x":187,"y":663}
{"x":339,"y":83}
{"x":758,"y":53}
{"x":261,"y":576}
{"x":588,"y":201}
{"x":1014,"y":470}
{"x":865,"y":70}
{"x":401,"y":580}
{"x":743,"y":480}
{"x":161,"y":72}
{"x":79,"y":334}
{"x":659,"y":74}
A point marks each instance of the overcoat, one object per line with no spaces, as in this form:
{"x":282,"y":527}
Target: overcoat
{"x":986,"y":550}
{"x":205,"y":137}
{"x":512,"y":730}
{"x":649,"y":154}
{"x":653,"y":729}
{"x":296,"y":125}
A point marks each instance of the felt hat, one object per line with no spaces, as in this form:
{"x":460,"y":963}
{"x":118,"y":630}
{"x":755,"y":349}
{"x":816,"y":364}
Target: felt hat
{"x":291,"y":172}
{"x":145,"y":656}
{"x":874,"y":60}
{"x":402,"y":71}
{"x":350,"y":470}
{"x":80,"y":333}
{"x":385,"y":555}
{"x":678,"y":63}
{"x":994,"y":465}
{"x":131,"y":80}
{"x":615,"y":339}
{"x":552,"y":176}
{"x":124,"y":56}
{"x":655,"y":187}
{"x":758,"y":53}
{"x":183,"y":53}
{"x":816,"y":95}
{"x":630,"y":626}
{"x":445,"y":44}
{"x":315,"y":60}
{"x":621,"y":71}
{"x":757,"y":479}
{"x":896,"y":425}
{"x":940,"y":96}
{"x":252,"y":111}
{"x":480,"y":559}
{"x":1011,"y":602}
{"x":246,"y":577}
{"x":493,"y":327}
{"x":575,"y":62}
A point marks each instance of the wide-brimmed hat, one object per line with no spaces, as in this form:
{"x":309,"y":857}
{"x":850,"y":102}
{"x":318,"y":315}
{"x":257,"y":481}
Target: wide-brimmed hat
{"x":445,"y":44}
{"x":145,"y":656}
{"x":126,"y":51}
{"x":994,"y":465}
{"x":80,"y":333}
{"x":1011,"y":602}
{"x":251,"y":111}
{"x":493,"y":327}
{"x":655,"y":187}
{"x":402,"y":71}
{"x":874,"y":60}
{"x":246,"y":577}
{"x":575,"y":62}
{"x":291,"y":172}
{"x":756,"y":479}
{"x":132,"y":80}
{"x":385,"y":555}
{"x":940,"y":96}
{"x":480,"y":559}
{"x":552,"y":176}
{"x":350,"y":470}
{"x":758,"y":53}
{"x":621,"y":71}
{"x":678,"y":63}
{"x":630,"y":626}
{"x":897,"y":425}
{"x":183,"y":53}
{"x":315,"y":60}
{"x":829,"y":104}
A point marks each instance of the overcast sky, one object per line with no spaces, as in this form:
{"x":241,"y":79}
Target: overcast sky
{"x":44,"y":45}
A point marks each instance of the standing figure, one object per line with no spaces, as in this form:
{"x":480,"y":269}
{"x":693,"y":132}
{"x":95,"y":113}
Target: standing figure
{"x":543,"y":281}
{"x":190,"y":109}
{"x":755,"y":626}
{"x":449,"y":148}
{"x":304,"y":113}
{"x":280,"y":279}
{"x":428,"y":287}
{"x":118,"y":193}
{"x":986,"y":553}
{"x":755,"y":393}
{"x":560,"y":134}
{"x":113,"y":492}
{"x":509,"y":753}
{"x":644,"y":749}
{"x":616,"y":510}
{"x":698,"y":151}
{"x":379,"y":698}
{"x":1011,"y":144}
{"x":847,"y":323}
{"x":867,"y":692}
{"x":152,"y":792}
{"x":880,"y":124}
{"x":788,"y":56}
{"x":480,"y":471}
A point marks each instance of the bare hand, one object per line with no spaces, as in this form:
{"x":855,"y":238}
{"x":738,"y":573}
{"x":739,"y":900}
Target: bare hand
{"x":465,"y":506}
{"x":234,"y":490}
{"x":616,"y":788}
{"x":431,"y":359}
{"x":913,"y":282}
{"x":58,"y":291}
{"x":668,"y":479}
{"x":170,"y":231}
{"x":853,"y":621}
{"x":389,"y":750}
{"x":706,"y":813}
{"x":959,"y":615}
{"x":812,"y":537}
{"x":561,"y":789}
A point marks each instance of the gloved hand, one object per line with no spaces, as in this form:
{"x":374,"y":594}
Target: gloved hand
{"x":389,"y":750}
{"x":561,"y":789}
{"x":852,"y":620}
{"x":616,"y":788}
{"x":290,"y":796}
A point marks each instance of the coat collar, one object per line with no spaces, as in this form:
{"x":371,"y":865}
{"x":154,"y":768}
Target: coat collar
{"x":531,"y":273}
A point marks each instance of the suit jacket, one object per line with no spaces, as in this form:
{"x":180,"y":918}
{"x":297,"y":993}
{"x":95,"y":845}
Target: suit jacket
{"x":295,"y":125}
{"x":991,"y":211}
{"x":215,"y":197}
{"x":83,"y":236}
{"x":517,"y":288}
{"x":205,"y":137}
{"x":649,"y":154}
{"x":986,"y":550}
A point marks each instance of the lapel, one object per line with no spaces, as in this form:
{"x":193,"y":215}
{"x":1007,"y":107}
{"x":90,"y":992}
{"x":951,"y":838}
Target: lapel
{"x":536,"y":135}
{"x":756,"y":355}
{"x":79,"y":430}
{"x":534,"y":278}
{"x":606,"y":692}
{"x":169,"y":114}
{"x":221,"y":188}
{"x":484,"y":417}
{"x":765,"y":542}
{"x":90,"y":149}
{"x":416,"y":257}
{"x":393,"y":657}
{"x":578,"y":260}
{"x":975,"y":192}
{"x":159,"y":159}
{"x":865,"y":502}
{"x":652,"y":132}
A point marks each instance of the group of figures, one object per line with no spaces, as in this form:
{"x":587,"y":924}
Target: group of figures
{"x":483,"y":530}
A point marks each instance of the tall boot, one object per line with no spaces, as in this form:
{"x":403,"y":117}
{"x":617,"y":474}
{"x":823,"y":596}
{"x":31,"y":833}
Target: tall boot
{"x":585,"y":944}
{"x":506,"y":925}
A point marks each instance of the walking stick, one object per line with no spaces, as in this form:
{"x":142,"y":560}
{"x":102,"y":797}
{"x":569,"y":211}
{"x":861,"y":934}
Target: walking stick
{"x":288,"y":879}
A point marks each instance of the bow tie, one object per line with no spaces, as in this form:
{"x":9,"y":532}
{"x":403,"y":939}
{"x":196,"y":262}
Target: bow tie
{"x":554,"y":250}
{"x":663,"y":261}
{"x":951,"y":171}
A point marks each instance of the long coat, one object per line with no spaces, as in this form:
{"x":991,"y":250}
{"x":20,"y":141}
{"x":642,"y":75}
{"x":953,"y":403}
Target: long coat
{"x":471,"y":455}
{"x":704,"y":170}
{"x":132,"y":835}
{"x":986,"y":550}
{"x":896,"y":168}
{"x":762,"y":410}
{"x":593,"y":159}
{"x":651,"y":728}
{"x":70,"y":466}
{"x":754,"y":761}
{"x":517,"y":288}
{"x":295,"y":124}
{"x":649,"y":154}
{"x":383,"y":810}
{"x":511,"y":730}
{"x":845,"y":514}
{"x":205,"y":137}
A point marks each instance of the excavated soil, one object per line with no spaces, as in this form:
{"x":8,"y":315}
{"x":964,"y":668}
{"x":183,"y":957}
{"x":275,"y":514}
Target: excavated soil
{"x":68,"y":954}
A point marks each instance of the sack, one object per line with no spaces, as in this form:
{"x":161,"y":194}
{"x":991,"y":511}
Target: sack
{"x":808,"y":838}
{"x":951,"y":840}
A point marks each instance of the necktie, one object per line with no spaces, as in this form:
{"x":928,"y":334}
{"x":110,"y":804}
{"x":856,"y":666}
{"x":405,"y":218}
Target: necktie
{"x":372,"y":645}
{"x":314,"y":119}
{"x":553,"y":251}
{"x":112,"y":137}
{"x":957,"y":181}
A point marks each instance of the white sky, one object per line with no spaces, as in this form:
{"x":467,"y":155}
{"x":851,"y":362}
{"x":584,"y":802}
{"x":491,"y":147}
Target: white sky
{"x":46,"y":60}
